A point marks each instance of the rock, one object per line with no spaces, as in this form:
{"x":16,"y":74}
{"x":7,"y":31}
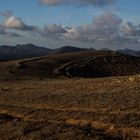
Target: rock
{"x":131,"y":79}
{"x":4,"y":89}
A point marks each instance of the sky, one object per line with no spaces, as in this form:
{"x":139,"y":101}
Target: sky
{"x":113,"y":24}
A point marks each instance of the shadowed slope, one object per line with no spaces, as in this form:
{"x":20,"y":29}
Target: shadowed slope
{"x":21,"y":52}
{"x":81,"y":64}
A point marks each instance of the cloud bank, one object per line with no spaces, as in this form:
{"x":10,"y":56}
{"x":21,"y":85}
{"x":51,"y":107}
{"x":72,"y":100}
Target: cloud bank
{"x":12,"y":22}
{"x":105,"y":28}
{"x":77,"y":2}
{"x":55,"y":31}
{"x":6,"y":33}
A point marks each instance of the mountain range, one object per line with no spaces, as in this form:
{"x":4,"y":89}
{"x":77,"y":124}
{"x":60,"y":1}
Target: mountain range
{"x":30,"y":51}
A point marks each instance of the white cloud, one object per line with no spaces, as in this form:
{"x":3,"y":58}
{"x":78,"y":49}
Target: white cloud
{"x":77,"y":2}
{"x":6,"y":33}
{"x":13,"y":22}
{"x":131,"y":30}
{"x":104,"y":28}
{"x":54,"y":30}
{"x":50,"y":2}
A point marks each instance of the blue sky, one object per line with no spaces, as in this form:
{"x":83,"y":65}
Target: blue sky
{"x":35,"y":13}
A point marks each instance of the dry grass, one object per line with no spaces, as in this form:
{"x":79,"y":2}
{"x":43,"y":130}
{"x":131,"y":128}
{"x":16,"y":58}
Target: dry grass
{"x":102,"y":109}
{"x":80,"y":64}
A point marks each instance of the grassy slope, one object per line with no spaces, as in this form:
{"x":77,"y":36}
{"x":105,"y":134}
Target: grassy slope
{"x":81,"y":64}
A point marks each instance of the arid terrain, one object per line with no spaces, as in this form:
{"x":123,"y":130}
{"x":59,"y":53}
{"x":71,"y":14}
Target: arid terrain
{"x":61,"y":104}
{"x":69,"y":69}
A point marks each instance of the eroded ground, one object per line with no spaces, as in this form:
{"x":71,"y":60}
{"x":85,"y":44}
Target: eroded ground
{"x":72,"y":109}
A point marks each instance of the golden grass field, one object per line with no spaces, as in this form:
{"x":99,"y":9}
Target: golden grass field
{"x":70,"y":109}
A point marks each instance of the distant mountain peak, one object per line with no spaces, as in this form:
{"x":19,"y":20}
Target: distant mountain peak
{"x":130,"y":52}
{"x":22,"y":51}
{"x":105,"y":49}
